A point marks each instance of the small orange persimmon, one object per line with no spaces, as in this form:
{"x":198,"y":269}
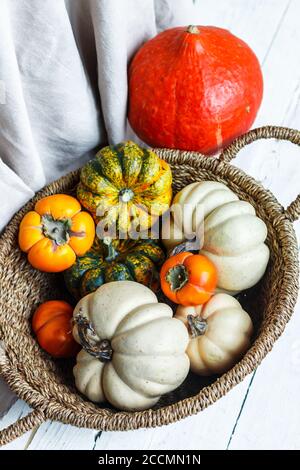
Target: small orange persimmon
{"x":55,"y":232}
{"x":188,"y":279}
{"x":52,"y":324}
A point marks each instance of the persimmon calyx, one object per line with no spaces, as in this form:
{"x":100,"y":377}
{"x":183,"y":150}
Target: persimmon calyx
{"x":177,"y":277}
{"x":57,"y":230}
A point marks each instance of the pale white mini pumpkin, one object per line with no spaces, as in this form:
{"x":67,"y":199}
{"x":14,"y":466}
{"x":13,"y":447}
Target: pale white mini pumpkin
{"x":220,"y":334}
{"x":233,"y":236}
{"x":189,"y":208}
{"x":234,"y":241}
{"x":134,"y":351}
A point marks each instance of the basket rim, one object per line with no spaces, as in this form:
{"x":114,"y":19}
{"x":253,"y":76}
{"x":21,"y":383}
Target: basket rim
{"x":104,"y":419}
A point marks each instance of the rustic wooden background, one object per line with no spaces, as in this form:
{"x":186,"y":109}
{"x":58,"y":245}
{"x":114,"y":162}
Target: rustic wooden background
{"x":263,"y":412}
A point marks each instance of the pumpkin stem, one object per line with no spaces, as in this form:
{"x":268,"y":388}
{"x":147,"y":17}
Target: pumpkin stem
{"x":192,"y":29}
{"x":177,"y":277}
{"x":101,"y":349}
{"x":188,"y":245}
{"x":197,"y":326}
{"x":111,"y":252}
{"x":57,"y":230}
{"x":126,"y":195}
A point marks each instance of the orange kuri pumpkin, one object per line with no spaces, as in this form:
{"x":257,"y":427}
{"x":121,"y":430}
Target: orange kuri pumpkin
{"x":194,"y":88}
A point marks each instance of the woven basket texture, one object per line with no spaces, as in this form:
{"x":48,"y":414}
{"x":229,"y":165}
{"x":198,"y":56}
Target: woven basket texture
{"x":47,"y":385}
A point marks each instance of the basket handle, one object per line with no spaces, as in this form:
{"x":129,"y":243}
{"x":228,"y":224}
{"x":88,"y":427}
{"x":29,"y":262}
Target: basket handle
{"x":266,"y":132}
{"x":22,"y":425}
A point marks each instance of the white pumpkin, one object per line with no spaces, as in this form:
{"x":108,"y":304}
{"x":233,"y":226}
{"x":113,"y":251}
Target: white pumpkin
{"x":133,"y":350}
{"x":233,"y":236}
{"x":189,"y":208}
{"x":234,"y":241}
{"x":220,"y":333}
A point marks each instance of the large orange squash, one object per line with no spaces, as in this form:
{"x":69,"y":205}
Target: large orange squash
{"x":194,"y":88}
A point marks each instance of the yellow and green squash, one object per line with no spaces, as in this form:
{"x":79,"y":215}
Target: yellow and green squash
{"x":115,"y":260}
{"x":126,"y":186}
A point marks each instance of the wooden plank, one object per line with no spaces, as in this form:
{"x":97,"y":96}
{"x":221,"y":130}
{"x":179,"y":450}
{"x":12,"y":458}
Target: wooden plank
{"x":210,"y":429}
{"x":271,"y":415}
{"x":281,"y":80}
{"x":7,"y":398}
{"x":17,"y":411}
{"x":52,"y":435}
{"x":255,"y":22}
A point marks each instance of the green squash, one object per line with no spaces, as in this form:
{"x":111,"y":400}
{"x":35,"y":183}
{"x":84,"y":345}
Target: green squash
{"x":115,"y":260}
{"x":125,"y":186}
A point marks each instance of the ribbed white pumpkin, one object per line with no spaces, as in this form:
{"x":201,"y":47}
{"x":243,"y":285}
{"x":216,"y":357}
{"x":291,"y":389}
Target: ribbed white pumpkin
{"x":234,"y":241}
{"x":204,"y":196}
{"x":233,"y":236}
{"x":222,"y":333}
{"x":148,"y":347}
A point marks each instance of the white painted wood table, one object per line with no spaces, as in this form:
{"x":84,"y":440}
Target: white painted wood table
{"x":263,"y":412}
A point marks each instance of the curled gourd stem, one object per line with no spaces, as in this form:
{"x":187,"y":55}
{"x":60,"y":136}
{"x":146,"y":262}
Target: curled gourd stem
{"x":101,"y":349}
{"x":111,"y":252}
{"x":197,"y":326}
{"x":188,"y":245}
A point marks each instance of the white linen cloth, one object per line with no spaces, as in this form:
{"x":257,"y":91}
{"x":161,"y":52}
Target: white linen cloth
{"x":63,"y":83}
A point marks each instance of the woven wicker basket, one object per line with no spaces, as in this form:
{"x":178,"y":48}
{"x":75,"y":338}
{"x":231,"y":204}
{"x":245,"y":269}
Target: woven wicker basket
{"x":47,"y":385}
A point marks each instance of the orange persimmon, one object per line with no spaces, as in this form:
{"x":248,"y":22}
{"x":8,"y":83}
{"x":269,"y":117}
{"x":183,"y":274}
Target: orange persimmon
{"x":188,"y":279}
{"x":52,"y":324}
{"x":55,"y":233}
